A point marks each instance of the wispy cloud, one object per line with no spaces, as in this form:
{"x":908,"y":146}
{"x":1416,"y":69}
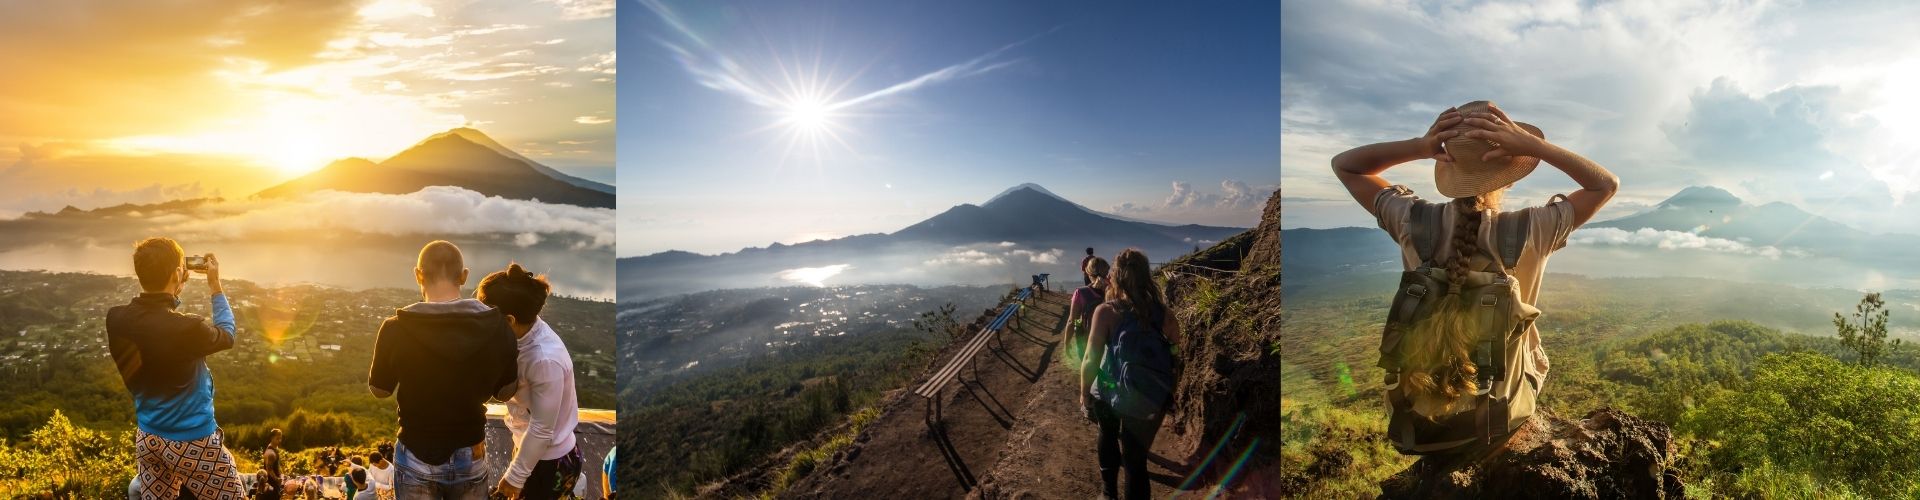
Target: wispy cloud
{"x":714,"y":69}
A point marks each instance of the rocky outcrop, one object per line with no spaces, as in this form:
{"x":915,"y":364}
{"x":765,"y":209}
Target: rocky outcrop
{"x":1608,"y":454}
{"x":1228,"y":299}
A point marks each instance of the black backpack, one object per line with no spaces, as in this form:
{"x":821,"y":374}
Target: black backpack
{"x":1506,"y":396}
{"x":1139,"y":364}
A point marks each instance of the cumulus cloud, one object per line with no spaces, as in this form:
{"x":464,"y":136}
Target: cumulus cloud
{"x":1184,"y":196}
{"x":1672,"y":240}
{"x":995,"y":254}
{"x":967,"y":257}
{"x":437,"y":210}
{"x":1237,"y":202}
{"x":1765,"y":96}
{"x":1051,"y":256}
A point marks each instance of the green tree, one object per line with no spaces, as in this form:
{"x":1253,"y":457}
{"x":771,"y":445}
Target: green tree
{"x":939,"y":322}
{"x":1866,"y":332}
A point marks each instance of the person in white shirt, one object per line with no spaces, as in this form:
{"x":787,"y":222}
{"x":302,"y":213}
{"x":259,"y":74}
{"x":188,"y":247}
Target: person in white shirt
{"x":544,"y":411}
{"x":380,"y":472}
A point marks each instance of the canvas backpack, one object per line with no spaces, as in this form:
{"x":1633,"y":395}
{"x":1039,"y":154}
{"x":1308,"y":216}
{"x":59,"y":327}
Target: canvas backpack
{"x":1139,"y":366}
{"x":1506,"y":393}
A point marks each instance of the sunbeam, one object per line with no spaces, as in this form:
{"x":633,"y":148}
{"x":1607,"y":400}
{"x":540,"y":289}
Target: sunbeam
{"x":803,"y":97}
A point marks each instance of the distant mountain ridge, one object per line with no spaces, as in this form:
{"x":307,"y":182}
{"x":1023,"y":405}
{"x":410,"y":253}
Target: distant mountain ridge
{"x":1705,"y":211}
{"x":1027,"y":216}
{"x":461,"y":157}
{"x":1715,"y":213}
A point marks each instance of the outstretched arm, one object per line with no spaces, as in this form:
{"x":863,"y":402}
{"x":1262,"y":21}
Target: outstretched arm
{"x":1597,"y":185}
{"x":1359,"y":168}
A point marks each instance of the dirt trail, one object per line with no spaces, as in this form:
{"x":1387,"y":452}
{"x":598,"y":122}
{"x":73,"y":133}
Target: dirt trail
{"x":1015,"y":431}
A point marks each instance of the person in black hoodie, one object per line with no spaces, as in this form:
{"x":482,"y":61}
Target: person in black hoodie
{"x":442,"y":358}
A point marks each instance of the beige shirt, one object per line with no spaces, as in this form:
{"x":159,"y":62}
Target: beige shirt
{"x":1549,"y":226}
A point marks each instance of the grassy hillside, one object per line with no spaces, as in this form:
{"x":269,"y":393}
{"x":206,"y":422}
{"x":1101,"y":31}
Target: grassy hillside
{"x":299,"y":365}
{"x":1765,"y":402}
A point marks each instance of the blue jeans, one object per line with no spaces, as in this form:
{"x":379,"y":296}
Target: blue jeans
{"x":462,"y":477}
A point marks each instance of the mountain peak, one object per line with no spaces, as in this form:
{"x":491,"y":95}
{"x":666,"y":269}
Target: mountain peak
{"x":1026,"y":187}
{"x":1027,"y":194}
{"x":1701,"y":197}
{"x":461,"y":157}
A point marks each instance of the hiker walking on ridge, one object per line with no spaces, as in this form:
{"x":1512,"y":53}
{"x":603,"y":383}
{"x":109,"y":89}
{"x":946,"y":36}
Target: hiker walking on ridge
{"x":442,"y":358}
{"x":543,"y":413}
{"x":1127,"y":376}
{"x":1472,"y":273}
{"x":1080,"y":306}
{"x":162,"y":357}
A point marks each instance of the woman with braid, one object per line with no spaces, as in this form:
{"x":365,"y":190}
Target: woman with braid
{"x":1478,"y":154}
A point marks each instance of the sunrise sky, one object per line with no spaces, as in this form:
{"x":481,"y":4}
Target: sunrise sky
{"x":112,"y":102}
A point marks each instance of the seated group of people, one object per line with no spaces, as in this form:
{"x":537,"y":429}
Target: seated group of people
{"x":441,"y":358}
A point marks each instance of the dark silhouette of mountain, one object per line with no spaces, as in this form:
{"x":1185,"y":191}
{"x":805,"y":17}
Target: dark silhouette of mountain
{"x":482,"y":139}
{"x":71,"y":211}
{"x":453,"y":158}
{"x":1027,"y":217}
{"x":1030,"y":214}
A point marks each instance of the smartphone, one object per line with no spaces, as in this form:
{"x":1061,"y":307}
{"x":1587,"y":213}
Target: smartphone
{"x":196,"y":262}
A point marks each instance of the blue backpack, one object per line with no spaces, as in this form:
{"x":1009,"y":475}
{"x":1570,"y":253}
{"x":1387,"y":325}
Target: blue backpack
{"x":1139,"y":366}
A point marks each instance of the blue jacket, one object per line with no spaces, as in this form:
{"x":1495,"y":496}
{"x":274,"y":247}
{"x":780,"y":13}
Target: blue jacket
{"x":162,"y":356}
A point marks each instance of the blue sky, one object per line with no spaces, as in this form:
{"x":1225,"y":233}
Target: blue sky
{"x":1150,"y":110}
{"x":1811,"y":103}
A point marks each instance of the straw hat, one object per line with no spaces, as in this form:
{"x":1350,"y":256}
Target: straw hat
{"x":1470,"y":176}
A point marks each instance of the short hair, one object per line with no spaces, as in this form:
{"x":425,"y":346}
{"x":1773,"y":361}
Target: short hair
{"x":1089,"y":250}
{"x":515,"y":291}
{"x":440,"y":261}
{"x":374,"y":456}
{"x":156,"y":261}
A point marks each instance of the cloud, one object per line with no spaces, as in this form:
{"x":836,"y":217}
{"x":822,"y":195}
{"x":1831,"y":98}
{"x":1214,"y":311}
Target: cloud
{"x":295,"y":84}
{"x":995,"y":254}
{"x":590,"y":120}
{"x":1184,"y":196}
{"x":181,"y":49}
{"x":1236,"y":203}
{"x":1671,"y":240}
{"x":1765,"y":96}
{"x":584,"y":9}
{"x":714,"y":68}
{"x":966,"y":257}
{"x":436,"y":210}
{"x":1051,"y":256}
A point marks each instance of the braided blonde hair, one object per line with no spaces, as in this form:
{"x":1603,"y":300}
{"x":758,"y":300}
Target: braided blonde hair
{"x":1436,"y":360}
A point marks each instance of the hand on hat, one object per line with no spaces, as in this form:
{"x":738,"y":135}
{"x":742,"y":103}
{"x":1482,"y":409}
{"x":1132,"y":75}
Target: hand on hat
{"x":1438,"y":134}
{"x":1509,"y":138}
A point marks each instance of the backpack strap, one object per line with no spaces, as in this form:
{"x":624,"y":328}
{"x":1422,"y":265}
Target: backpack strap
{"x":1512,"y":238}
{"x":1426,"y":220}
